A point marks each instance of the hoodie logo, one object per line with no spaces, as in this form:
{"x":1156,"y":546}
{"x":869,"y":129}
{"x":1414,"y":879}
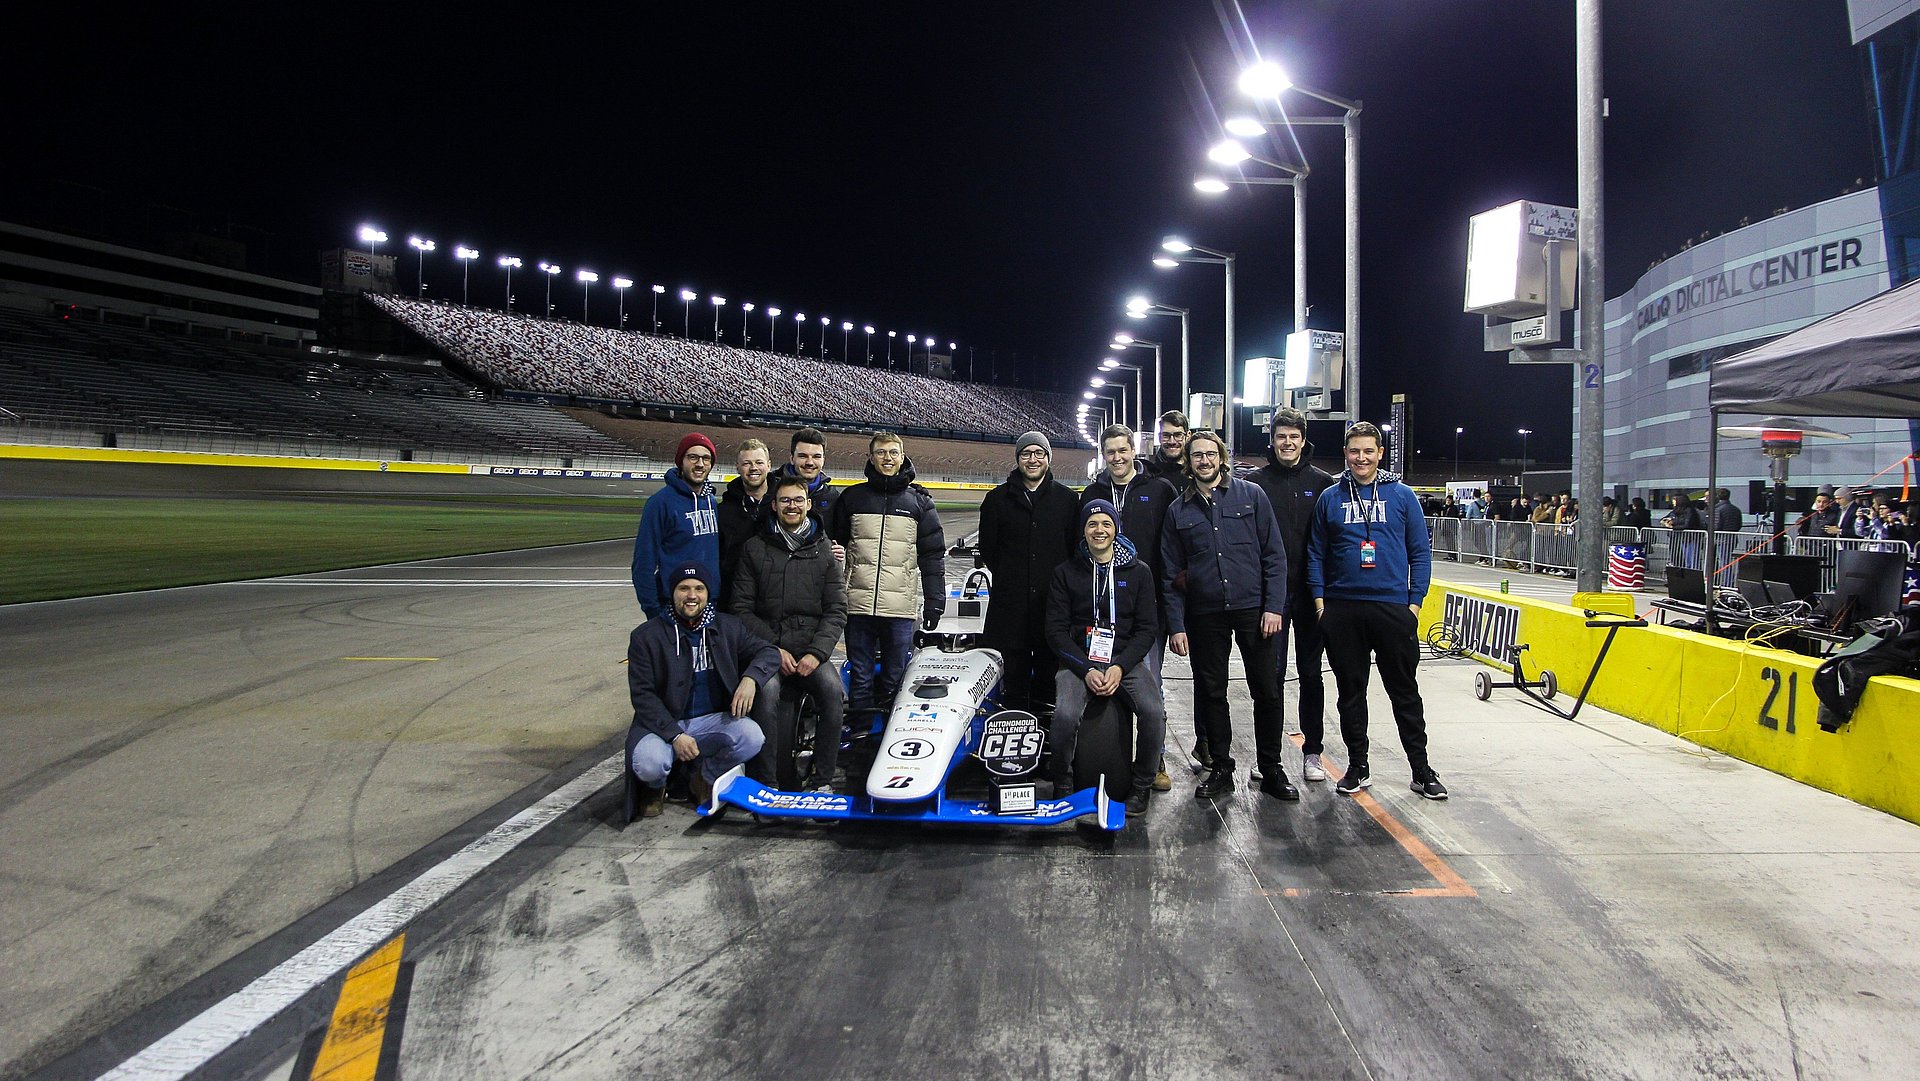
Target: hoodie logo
{"x":1362,"y":510}
{"x":703,"y":521}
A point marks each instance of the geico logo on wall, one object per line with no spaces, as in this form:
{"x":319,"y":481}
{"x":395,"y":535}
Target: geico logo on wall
{"x":1485,"y":628}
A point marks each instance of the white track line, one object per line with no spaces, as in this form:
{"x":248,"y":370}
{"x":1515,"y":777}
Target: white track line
{"x":226,"y":1023}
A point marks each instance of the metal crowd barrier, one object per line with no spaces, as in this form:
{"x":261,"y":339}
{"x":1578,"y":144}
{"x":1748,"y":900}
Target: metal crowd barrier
{"x":1551,"y":549}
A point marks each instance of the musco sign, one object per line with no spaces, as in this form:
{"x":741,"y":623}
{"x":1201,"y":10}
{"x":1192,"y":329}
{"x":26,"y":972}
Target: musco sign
{"x":1485,"y":628}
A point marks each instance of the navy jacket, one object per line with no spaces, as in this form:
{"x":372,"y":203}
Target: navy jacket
{"x":1222,"y":552}
{"x":677,"y":526}
{"x":1070,"y":609}
{"x":660,"y":668}
{"x":1388,"y":513}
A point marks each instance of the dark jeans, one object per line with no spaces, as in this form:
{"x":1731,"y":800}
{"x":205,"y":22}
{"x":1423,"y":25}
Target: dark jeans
{"x":1303,"y":627}
{"x":1210,"y":637}
{"x":1142,"y":691}
{"x":1027,"y":680}
{"x":830,"y":700}
{"x":1357,"y":634}
{"x":876,"y":638}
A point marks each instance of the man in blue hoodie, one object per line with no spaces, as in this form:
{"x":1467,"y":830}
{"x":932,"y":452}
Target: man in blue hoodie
{"x":679,"y":525}
{"x":1369,"y":561}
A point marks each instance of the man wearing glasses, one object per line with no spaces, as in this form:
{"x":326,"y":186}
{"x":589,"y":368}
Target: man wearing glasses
{"x":788,"y":591}
{"x":680,"y":525}
{"x":1225,"y":567}
{"x":1028,"y":526}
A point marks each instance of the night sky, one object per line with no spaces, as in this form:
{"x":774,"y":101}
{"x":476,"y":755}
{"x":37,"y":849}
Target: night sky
{"x":995,"y":174}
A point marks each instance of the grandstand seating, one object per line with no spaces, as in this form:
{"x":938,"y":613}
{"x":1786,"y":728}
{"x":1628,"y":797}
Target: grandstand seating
{"x":550,"y":357}
{"x":67,"y":374}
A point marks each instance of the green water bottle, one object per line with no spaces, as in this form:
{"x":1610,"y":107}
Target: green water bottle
{"x":1503,"y":585}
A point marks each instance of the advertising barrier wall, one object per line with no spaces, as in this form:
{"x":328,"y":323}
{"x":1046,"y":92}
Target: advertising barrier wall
{"x":1749,"y":701}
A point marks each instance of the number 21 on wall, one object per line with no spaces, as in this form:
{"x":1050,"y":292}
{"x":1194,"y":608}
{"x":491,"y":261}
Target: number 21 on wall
{"x":1772,"y":677}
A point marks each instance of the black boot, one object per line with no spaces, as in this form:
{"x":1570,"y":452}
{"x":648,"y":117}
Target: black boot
{"x":1218,"y":783}
{"x":1273,"y":781}
{"x":1137,"y":800}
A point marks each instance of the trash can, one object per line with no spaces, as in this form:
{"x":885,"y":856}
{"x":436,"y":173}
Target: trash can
{"x":1626,"y":566}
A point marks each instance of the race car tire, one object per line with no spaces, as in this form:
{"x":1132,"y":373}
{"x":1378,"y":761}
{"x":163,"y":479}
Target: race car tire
{"x":1104,"y":747}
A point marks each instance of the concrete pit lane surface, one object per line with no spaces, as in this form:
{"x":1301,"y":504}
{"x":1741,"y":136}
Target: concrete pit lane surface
{"x":201,"y":787}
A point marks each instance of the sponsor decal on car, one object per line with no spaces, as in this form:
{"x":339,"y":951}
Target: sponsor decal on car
{"x":800,"y":801}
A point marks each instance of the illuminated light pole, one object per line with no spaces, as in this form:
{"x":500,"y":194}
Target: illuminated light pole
{"x":869,"y":329}
{"x":1101,"y":382}
{"x":799,"y":325}
{"x":823,"y":337}
{"x":1139,"y":399}
{"x":422,"y":247}
{"x":372,"y":237}
{"x":845,"y":329}
{"x":1456,"y":452}
{"x":772,"y":314}
{"x":550,"y":269}
{"x":892,"y":336}
{"x":687,"y":297}
{"x":718,"y":303}
{"x":586,"y":278}
{"x":657,"y":290}
{"x":746,"y":310}
{"x":1179,"y":251}
{"x":1524,"y":433}
{"x":466,"y":256}
{"x":508,"y":263}
{"x":1140,"y":308}
{"x":1123,"y":341}
{"x":622,"y":285}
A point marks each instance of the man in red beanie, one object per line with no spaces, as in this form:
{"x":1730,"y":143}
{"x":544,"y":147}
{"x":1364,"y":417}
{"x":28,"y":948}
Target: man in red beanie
{"x":679,"y":525}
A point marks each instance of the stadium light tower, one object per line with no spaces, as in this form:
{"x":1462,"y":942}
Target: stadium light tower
{"x":772,"y":314}
{"x":718,"y":303}
{"x":422,"y":246}
{"x":1112,"y":364}
{"x":892,"y":336}
{"x":1456,"y":452}
{"x":799,"y":325}
{"x":586,"y":278}
{"x":687,"y":296}
{"x":508,"y":263}
{"x":622,"y":285}
{"x":1179,"y":251}
{"x":550,"y":269}
{"x":845,"y":329}
{"x":1139,"y":308}
{"x":823,"y":337}
{"x":746,"y":310}
{"x":1524,"y":433}
{"x":1123,"y":341}
{"x":372,"y":238}
{"x":466,"y":256}
{"x":657,"y":290}
{"x":869,"y":329}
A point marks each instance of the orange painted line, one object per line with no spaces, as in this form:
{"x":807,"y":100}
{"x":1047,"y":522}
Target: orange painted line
{"x":351,"y":1051}
{"x":1451,"y":884}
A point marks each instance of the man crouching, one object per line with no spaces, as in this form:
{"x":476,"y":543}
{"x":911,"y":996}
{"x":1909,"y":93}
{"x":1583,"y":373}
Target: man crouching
{"x":695,"y":677}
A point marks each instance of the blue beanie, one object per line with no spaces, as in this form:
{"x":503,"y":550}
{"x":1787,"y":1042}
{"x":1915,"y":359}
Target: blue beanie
{"x":1099,"y":506}
{"x":690,"y":570}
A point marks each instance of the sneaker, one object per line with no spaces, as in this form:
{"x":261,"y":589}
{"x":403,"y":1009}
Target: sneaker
{"x":652,"y":802}
{"x":1431,"y":788}
{"x":817,"y":784}
{"x":1137,"y":802}
{"x":1354,"y":781}
{"x":1161,"y":781}
{"x":1313,"y":770}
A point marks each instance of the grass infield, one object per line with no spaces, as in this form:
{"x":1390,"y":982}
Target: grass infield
{"x":51,"y":548}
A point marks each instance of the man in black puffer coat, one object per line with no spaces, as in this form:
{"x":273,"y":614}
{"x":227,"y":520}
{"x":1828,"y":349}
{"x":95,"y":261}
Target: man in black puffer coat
{"x":1293,"y":485}
{"x":1027,"y":528}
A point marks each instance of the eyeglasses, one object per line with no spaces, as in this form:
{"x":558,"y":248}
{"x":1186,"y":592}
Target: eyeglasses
{"x":793,"y":501}
{"x":1035,"y":453}
{"x":1203,"y":455}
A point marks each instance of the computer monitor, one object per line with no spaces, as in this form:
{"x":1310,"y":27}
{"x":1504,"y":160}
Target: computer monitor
{"x":1800,"y":573}
{"x":1686,"y":584}
{"x":1871,"y":581}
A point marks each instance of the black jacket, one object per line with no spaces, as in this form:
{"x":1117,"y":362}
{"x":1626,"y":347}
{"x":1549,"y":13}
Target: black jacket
{"x":822,"y":490}
{"x":1169,"y":469}
{"x":792,"y":597}
{"x":1293,"y":493}
{"x":740,"y":518}
{"x":1143,"y":503}
{"x":1023,"y":537}
{"x":660,"y":668}
{"x":1070,"y":609}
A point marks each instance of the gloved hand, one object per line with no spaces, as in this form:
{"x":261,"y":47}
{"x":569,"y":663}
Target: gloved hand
{"x":930,"y":617}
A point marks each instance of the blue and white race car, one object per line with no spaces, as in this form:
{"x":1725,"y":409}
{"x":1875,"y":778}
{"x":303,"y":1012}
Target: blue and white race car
{"x":941,"y":716}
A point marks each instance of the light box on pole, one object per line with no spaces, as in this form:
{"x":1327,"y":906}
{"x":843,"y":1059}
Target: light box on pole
{"x":1507,"y":259}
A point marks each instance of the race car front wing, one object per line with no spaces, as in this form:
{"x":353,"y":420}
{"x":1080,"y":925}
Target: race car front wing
{"x":734,"y":788}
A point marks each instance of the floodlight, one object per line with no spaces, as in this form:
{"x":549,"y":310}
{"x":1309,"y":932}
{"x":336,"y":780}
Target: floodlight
{"x":1264,"y":80}
{"x":773,"y":313}
{"x":688,"y":294}
{"x":1088,"y":395}
{"x":1507,"y":259}
{"x":1165,"y":262}
{"x":370,"y":235}
{"x":1135,"y":304}
{"x":659,"y":288}
{"x":717,"y":300}
{"x":746,"y":305}
{"x":868,"y":328}
{"x":1212,"y":185}
{"x":551,"y":268}
{"x":418,"y":244}
{"x":1098,"y":381}
{"x":461,"y":251}
{"x":1228,"y":152}
{"x":1123,"y":338}
{"x":510,"y":261}
{"x":1245,"y":127}
{"x":587,"y":276}
{"x":1175,"y":245}
{"x":623,"y":283}
{"x":846,"y":325}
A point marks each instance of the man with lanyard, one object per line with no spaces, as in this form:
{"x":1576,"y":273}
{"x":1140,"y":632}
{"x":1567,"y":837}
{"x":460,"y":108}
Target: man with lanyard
{"x":1102,"y":618}
{"x":1369,"y":561}
{"x":1226,"y":572}
{"x":1293,"y":485}
{"x":1142,"y":501}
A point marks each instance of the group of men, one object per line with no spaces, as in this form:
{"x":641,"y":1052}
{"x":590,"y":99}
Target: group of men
{"x":1089,"y":591}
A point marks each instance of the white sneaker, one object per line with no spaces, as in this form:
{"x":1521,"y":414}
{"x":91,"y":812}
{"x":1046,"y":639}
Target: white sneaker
{"x":1312,"y":770}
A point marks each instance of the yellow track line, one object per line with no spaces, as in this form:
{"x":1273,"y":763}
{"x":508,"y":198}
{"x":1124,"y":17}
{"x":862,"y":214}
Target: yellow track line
{"x":352,"y":1048}
{"x":389,"y":658}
